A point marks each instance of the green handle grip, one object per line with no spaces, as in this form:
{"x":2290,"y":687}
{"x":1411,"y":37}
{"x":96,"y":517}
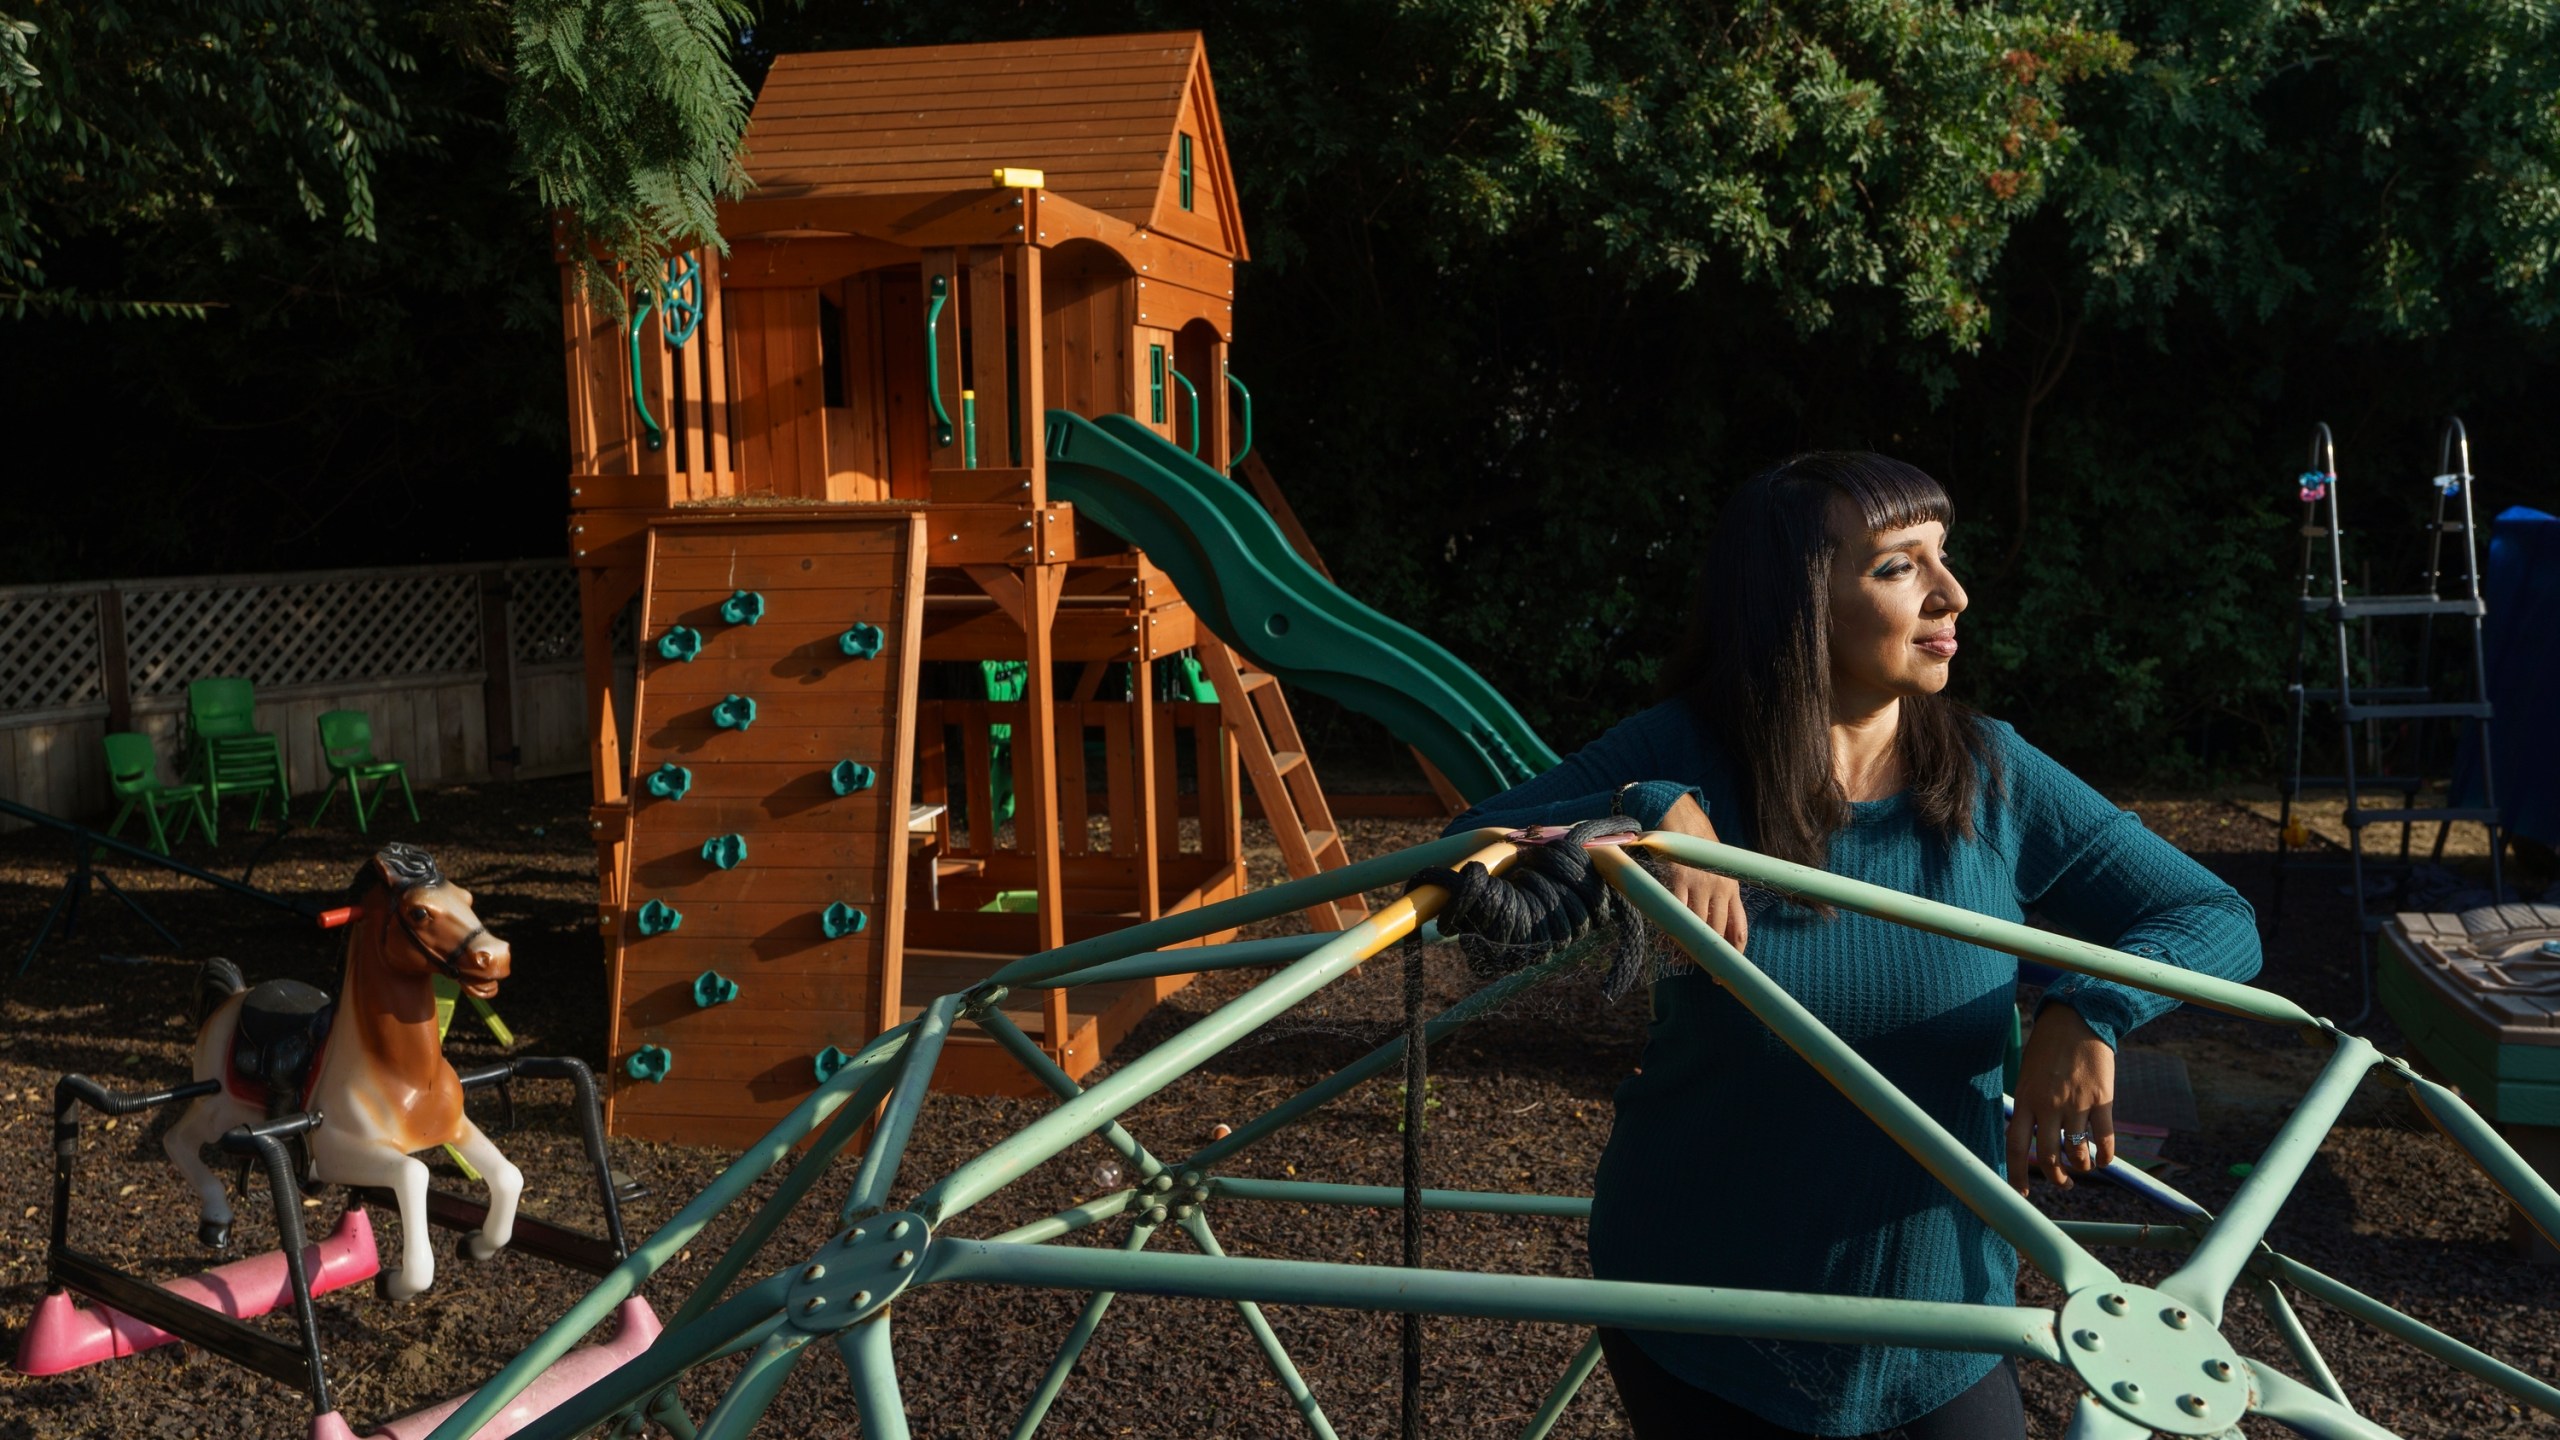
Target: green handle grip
{"x":1192,"y":393}
{"x":655,"y":433}
{"x":1247,"y":396}
{"x":933,"y":359}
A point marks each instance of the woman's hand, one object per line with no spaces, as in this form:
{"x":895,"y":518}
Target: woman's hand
{"x":1716,"y":899}
{"x":2066,"y":1088}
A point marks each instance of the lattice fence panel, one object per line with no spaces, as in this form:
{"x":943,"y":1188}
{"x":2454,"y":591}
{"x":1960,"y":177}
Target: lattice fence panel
{"x":543,"y":625}
{"x":286,"y":632}
{"x":52,"y":660}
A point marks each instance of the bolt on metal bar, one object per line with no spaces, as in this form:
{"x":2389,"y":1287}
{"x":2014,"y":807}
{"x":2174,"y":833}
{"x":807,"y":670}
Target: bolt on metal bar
{"x":2288,"y":1401}
{"x":747,"y":1318}
{"x":867,"y":1358}
{"x":1973,"y":1182}
{"x":654,"y":1252}
{"x":2021,"y":1331}
{"x":751,"y":1239}
{"x":1275,"y":1354}
{"x":1079,"y":1335}
{"x":2225,"y":1250}
{"x":1008,"y":1159}
{"x":1379,"y":1060}
{"x":745,"y":1401}
{"x":1568,"y":1385}
{"x":2466,"y":1358}
{"x":888,"y":1146}
{"x":1045,"y":1070}
{"x":1390,"y":1197}
{"x":1190,"y":960}
{"x":2133,"y":1237}
{"x":1379,"y":873}
{"x":1071,"y":1219}
{"x":2093,"y":1421}
{"x":1956,"y":923}
{"x":2488,"y":1150}
{"x":2296,"y":1337}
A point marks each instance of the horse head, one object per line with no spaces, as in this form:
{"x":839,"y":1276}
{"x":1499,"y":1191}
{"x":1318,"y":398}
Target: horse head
{"x":429,"y":927}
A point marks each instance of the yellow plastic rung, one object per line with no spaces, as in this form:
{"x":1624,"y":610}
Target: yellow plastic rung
{"x":1019,"y":177}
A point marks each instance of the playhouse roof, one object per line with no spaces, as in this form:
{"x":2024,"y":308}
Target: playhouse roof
{"x":1105,"y":116}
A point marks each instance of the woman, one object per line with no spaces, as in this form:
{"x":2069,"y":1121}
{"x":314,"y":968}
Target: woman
{"x":1808,"y":722}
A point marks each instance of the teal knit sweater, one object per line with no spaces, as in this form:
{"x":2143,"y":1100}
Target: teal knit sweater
{"x":1733,"y":1164}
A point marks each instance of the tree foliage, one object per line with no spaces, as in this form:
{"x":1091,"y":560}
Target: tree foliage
{"x":1535,"y":282}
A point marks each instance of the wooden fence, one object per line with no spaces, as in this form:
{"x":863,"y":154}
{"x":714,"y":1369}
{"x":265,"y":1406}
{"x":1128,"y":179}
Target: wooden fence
{"x":410,"y":647}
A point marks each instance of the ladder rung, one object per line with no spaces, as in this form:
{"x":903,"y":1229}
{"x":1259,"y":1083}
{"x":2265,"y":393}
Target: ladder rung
{"x":1255,"y":679}
{"x":1284,"y":761}
{"x":2357,"y":819}
{"x":1319,"y":840}
{"x":2369,"y":694}
{"x":2363,"y":782}
{"x":2364,"y":606}
{"x":2468,"y":710}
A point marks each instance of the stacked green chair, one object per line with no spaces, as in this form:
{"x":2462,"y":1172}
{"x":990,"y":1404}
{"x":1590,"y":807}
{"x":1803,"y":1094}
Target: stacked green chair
{"x":133,"y":775}
{"x":232,"y":755}
{"x":346,"y":744}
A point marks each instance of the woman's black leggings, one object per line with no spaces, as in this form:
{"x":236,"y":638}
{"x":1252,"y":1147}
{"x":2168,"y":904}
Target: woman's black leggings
{"x":1662,"y":1406}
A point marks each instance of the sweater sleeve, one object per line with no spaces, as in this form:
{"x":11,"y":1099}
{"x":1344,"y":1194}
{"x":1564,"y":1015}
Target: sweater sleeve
{"x":2097,"y":872}
{"x":1648,"y":747}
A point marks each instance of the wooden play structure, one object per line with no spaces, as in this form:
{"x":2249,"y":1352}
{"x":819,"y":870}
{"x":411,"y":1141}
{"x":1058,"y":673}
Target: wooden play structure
{"x":816,"y":466}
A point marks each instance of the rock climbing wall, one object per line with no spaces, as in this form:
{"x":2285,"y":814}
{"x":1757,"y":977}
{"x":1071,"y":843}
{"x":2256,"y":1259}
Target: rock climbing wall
{"x":759,"y":935}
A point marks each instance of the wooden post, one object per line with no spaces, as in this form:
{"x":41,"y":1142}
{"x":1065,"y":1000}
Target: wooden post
{"x":1143,"y":839}
{"x":987,"y":349}
{"x":498,"y":675}
{"x":1022,"y":268}
{"x":1035,"y":778}
{"x":115,"y":670}
{"x":715,"y":376}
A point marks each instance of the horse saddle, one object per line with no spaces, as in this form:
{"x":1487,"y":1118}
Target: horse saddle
{"x":284,"y":1025}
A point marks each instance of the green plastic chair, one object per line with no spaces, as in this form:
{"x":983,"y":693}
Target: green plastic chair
{"x":133,"y":774}
{"x":346,"y":744}
{"x":232,"y":755}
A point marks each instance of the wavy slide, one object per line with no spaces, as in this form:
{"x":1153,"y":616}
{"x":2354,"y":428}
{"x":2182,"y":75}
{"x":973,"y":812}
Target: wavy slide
{"x":1253,"y":591}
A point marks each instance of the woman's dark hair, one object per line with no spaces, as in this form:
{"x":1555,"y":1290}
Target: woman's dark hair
{"x":1756,"y":664}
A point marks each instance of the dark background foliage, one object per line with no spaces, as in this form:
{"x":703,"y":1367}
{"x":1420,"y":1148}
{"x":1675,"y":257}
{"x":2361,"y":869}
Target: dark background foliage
{"x":1533,"y":285}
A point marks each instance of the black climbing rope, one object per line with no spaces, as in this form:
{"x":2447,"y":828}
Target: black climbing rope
{"x":1550,"y":895}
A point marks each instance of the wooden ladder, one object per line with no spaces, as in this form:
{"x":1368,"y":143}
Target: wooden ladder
{"x":1284,"y":779}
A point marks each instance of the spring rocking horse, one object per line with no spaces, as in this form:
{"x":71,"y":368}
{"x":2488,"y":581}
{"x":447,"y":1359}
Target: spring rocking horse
{"x":358,"y":1084}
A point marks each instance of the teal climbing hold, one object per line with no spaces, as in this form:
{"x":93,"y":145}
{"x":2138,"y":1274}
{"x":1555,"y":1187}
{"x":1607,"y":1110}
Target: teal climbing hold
{"x":658,"y":917}
{"x":862,"y":641}
{"x":735,"y":713}
{"x":841,"y":920}
{"x":713,"y":988}
{"x":650,"y":1063}
{"x":829,"y":1061}
{"x":670,"y":781}
{"x":681,"y":642}
{"x":725,"y":851}
{"x":852,"y":775}
{"x":744,"y":608}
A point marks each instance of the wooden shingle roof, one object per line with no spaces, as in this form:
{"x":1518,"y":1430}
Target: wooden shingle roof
{"x":1102,"y":115}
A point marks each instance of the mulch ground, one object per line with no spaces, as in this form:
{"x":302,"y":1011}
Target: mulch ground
{"x":1522,"y":1103}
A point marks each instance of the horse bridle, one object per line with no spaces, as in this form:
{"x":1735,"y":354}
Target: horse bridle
{"x":449,"y":962}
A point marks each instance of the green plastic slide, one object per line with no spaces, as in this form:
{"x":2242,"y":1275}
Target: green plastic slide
{"x":1254,"y":592}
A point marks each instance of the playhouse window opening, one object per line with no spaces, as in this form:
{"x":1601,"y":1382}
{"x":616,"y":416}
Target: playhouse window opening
{"x":831,"y":352}
{"x":1186,"y":172}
